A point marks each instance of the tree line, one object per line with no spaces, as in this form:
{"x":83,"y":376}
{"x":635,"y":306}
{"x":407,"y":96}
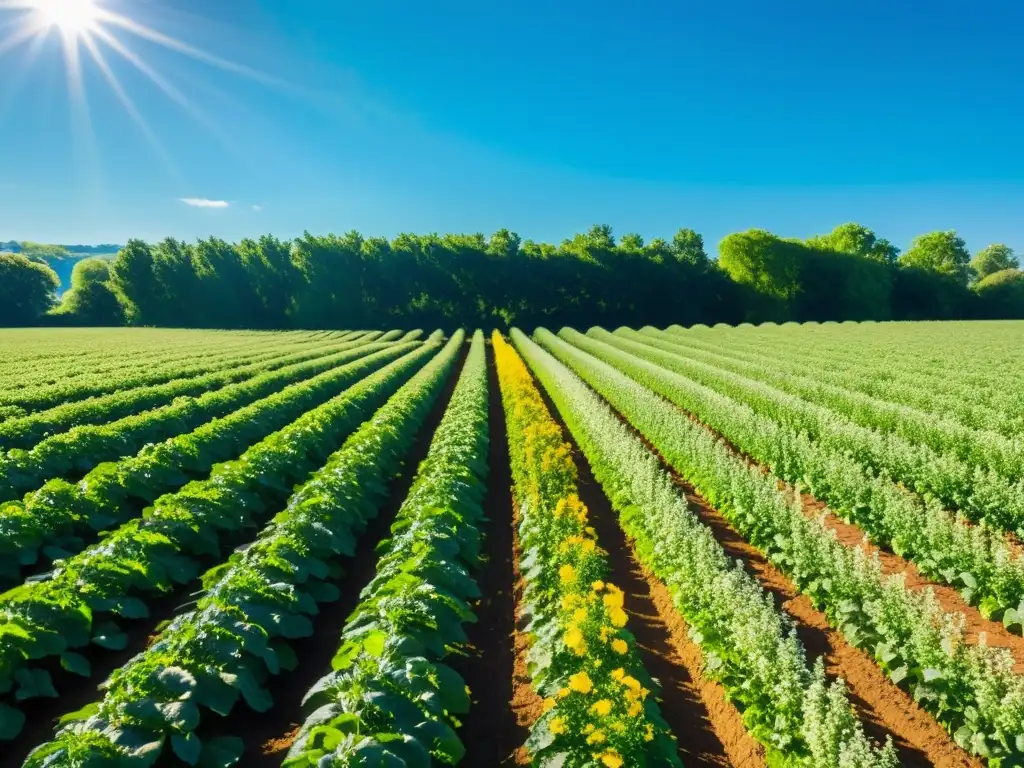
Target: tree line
{"x":351,"y":281}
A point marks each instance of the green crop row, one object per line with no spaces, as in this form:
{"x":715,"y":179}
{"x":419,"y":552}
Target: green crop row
{"x":391,"y":697}
{"x":224,"y":650}
{"x":748,"y":646}
{"x":971,"y":689}
{"x":75,"y":604}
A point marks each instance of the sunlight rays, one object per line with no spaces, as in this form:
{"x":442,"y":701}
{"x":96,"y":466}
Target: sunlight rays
{"x":85,"y":28}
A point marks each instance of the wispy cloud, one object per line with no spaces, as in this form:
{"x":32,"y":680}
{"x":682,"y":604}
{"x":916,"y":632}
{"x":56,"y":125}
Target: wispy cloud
{"x":257,"y":208}
{"x":202,"y":202}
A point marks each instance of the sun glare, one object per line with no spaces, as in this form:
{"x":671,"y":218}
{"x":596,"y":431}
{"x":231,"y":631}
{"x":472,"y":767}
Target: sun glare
{"x":74,"y":18}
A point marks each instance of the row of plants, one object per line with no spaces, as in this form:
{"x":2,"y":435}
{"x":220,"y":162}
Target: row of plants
{"x":390,"y":696}
{"x":81,"y":601}
{"x":600,"y":704}
{"x":971,"y":689}
{"x":79,"y":450}
{"x":986,"y":449}
{"x":747,"y":644}
{"x":977,"y":492}
{"x":976,"y":560}
{"x":221,"y":653}
{"x":28,"y":431}
{"x":92,"y":384}
{"x":61,"y":517}
{"x":884,"y":371}
{"x":53,"y":367}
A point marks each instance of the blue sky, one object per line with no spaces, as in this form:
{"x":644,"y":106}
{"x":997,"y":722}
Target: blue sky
{"x":542,"y":117}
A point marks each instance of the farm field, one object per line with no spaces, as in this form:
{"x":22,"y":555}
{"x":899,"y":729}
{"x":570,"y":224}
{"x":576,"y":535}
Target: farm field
{"x":793,"y":545}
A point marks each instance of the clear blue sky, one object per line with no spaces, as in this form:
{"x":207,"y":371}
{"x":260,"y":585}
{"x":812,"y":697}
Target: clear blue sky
{"x":544,"y":117}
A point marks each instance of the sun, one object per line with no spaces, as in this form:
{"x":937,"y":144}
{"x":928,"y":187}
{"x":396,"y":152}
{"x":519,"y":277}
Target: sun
{"x":74,"y":18}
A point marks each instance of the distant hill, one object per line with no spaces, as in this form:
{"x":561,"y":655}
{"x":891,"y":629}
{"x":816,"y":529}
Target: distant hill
{"x":60,"y":258}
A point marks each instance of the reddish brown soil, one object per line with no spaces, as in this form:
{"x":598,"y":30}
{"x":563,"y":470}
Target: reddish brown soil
{"x":949,"y":599}
{"x":884,"y":708}
{"x":709,"y":730}
{"x":526,"y":704}
{"x":491,"y":731}
{"x":269,"y":735}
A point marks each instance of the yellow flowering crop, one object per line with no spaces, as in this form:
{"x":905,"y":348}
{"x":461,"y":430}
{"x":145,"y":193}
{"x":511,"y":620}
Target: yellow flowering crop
{"x":592,"y":670}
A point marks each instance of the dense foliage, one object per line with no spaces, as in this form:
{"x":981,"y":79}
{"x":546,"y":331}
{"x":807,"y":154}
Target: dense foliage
{"x":26,"y":289}
{"x":352,"y":281}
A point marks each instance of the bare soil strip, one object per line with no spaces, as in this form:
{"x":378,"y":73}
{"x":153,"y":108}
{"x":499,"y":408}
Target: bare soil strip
{"x":269,"y":735}
{"x":709,"y":729}
{"x":851,"y":535}
{"x":883,"y":708}
{"x":491,"y":731}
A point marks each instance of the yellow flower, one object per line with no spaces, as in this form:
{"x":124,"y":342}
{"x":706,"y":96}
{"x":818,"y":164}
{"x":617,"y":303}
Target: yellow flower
{"x":618,"y":674}
{"x":597,"y":737}
{"x":619,"y":645}
{"x":580,"y":682}
{"x":615,"y":597}
{"x":567,"y":573}
{"x":649,"y":732}
{"x":611,"y":759}
{"x":635,"y":709}
{"x":597,"y":586}
{"x":631,"y":682}
{"x":573,"y":638}
{"x":549,"y":704}
{"x":580,"y":614}
{"x":563,"y":692}
{"x":557,"y":725}
{"x":568,"y":601}
{"x":589,"y":545}
{"x":601,"y":707}
{"x":618,"y":617}
{"x":589,"y":729}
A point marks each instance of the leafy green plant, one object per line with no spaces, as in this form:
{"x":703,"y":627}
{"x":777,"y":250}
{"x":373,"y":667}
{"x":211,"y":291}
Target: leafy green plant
{"x":222,"y":652}
{"x":391,"y":695}
{"x":76,"y":603}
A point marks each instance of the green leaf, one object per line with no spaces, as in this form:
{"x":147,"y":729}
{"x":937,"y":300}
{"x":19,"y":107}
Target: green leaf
{"x":76,"y":664}
{"x":33,"y":684}
{"x":132,"y":608}
{"x":176,"y":680}
{"x":187,"y":747}
{"x":221,"y":752}
{"x":374,"y":642}
{"x":294,"y":627}
{"x":11,"y":722}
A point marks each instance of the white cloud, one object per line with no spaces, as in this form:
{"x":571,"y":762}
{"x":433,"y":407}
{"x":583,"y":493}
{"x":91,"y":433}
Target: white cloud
{"x":202,"y":202}
{"x":257,"y":208}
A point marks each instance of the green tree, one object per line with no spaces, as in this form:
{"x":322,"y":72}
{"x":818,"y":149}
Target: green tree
{"x":992,"y":259}
{"x":688,"y":248}
{"x":133,"y":280}
{"x":91,"y":300}
{"x":942,"y":252}
{"x":1001,"y":295}
{"x":857,"y":240}
{"x":27,"y":289}
{"x":763,"y":261}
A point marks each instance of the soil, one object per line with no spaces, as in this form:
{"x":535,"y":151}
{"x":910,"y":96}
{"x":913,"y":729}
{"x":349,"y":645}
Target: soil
{"x":949,"y":599}
{"x":491,"y":731}
{"x":268,"y":735}
{"x":851,"y":535}
{"x":709,"y":730}
{"x":884,"y":709}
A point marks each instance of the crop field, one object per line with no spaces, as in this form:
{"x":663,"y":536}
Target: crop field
{"x":792,"y":546}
